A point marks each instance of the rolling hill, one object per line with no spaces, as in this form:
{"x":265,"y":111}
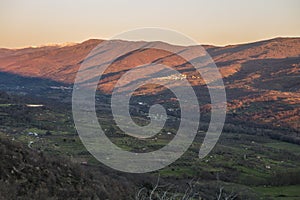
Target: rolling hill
{"x":262,"y":79}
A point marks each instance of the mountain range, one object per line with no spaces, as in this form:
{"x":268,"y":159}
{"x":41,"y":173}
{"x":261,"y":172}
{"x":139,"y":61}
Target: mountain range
{"x":262,"y":79}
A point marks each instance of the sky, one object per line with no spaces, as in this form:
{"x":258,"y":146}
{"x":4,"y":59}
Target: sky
{"x":217,"y":22}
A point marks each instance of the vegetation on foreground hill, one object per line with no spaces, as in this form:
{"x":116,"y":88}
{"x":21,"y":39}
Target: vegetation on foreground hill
{"x":30,"y":174}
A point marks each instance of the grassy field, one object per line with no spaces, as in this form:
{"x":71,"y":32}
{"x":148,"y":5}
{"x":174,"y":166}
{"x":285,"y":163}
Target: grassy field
{"x":291,"y":192}
{"x":285,"y":147}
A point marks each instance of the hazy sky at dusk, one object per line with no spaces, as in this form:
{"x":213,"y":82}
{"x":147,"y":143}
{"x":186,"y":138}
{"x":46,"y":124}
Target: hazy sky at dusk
{"x":219,"y":22}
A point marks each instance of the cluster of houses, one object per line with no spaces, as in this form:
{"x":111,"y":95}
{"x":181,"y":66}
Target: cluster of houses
{"x":178,"y":77}
{"x":60,"y":88}
{"x":173,"y":77}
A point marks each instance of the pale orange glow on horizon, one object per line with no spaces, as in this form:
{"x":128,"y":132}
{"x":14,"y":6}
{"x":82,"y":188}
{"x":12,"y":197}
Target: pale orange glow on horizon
{"x":34,"y":23}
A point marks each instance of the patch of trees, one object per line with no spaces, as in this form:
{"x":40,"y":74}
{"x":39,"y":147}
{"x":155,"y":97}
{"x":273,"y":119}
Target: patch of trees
{"x":286,"y":135}
{"x":287,"y":177}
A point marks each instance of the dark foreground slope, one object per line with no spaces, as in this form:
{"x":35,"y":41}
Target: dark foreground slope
{"x":28,"y":174}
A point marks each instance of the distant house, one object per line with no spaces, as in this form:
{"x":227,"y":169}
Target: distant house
{"x":84,"y":163}
{"x":33,"y":134}
{"x":142,"y":103}
{"x":34,"y":105}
